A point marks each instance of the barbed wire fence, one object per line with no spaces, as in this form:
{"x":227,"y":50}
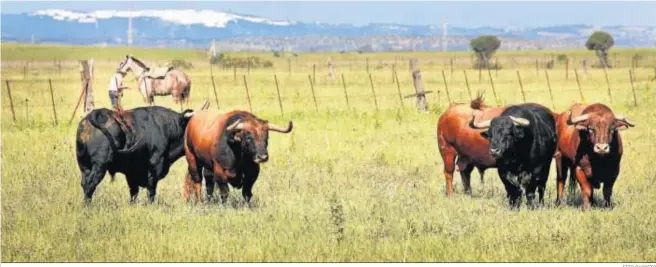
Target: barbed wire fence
{"x":39,"y":93}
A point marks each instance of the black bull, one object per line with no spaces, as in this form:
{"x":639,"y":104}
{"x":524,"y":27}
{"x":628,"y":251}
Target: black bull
{"x":523,"y":142}
{"x":141,"y":143}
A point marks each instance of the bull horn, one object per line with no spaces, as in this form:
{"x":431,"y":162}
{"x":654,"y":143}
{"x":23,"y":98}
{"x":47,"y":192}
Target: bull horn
{"x":480,"y":125}
{"x":520,"y":121}
{"x":578,"y":119}
{"x":188,"y":114}
{"x":625,"y":120}
{"x":237,"y":125}
{"x":280,"y":129}
{"x":205,"y":104}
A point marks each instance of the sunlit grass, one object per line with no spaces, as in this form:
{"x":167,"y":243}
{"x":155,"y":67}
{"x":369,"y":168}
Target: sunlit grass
{"x":376,"y":176}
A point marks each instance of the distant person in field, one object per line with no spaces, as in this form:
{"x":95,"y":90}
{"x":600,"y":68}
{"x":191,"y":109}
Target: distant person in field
{"x":116,"y":88}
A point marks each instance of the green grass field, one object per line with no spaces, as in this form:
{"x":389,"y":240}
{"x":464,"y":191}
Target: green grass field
{"x":346,"y":185}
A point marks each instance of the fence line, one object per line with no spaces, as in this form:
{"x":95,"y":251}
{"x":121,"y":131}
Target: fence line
{"x":25,"y":106}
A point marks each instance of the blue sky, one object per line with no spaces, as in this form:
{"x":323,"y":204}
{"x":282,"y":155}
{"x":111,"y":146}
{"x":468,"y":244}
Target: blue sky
{"x":468,"y":14}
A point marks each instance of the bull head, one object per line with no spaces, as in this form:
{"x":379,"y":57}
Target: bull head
{"x":503,"y":132}
{"x":253,"y":135}
{"x":599,"y":129}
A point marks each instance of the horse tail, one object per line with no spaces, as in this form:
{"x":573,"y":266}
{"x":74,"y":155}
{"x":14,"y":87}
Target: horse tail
{"x":185,"y":94}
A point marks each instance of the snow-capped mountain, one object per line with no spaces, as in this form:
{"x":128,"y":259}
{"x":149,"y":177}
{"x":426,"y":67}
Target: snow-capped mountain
{"x":197,"y":28}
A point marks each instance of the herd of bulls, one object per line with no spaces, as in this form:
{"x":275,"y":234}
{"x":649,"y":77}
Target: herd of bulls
{"x":521,"y":141}
{"x":226,"y":149}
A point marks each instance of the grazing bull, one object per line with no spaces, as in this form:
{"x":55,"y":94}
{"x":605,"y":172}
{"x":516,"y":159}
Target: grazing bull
{"x":590,"y":147}
{"x":523,"y":142}
{"x":461,"y":147}
{"x":141,"y":143}
{"x":229,"y":148}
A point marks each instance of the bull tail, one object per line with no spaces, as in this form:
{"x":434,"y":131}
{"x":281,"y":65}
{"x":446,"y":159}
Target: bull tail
{"x":93,"y":119}
{"x":113,"y":140}
{"x":478,"y":103}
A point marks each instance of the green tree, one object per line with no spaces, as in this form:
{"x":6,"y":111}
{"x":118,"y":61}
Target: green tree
{"x":600,"y":42}
{"x":484,"y":46}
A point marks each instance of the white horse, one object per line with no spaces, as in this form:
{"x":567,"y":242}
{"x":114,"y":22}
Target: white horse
{"x":158,"y":81}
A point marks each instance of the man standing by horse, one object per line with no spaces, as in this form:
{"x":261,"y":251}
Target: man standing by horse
{"x":158,"y":81}
{"x":116,"y":88}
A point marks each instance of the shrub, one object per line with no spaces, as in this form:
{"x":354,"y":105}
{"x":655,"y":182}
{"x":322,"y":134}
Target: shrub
{"x":218,"y":59}
{"x":255,"y":62}
{"x":181,"y":64}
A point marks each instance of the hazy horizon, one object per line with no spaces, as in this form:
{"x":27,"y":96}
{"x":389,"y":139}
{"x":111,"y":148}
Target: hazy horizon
{"x":465,"y":14}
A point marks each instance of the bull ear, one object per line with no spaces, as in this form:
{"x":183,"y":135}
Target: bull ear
{"x":485,"y":135}
{"x":620,"y":125}
{"x":623,"y":123}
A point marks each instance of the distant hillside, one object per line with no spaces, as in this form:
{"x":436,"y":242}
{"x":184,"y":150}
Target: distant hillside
{"x":234,"y":32}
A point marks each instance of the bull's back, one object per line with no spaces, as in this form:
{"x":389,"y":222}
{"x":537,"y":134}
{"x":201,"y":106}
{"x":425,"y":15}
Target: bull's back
{"x":453,"y":130}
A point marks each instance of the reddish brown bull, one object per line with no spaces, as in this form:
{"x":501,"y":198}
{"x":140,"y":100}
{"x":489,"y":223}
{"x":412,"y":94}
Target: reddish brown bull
{"x":590,"y":147}
{"x":229,"y":148}
{"x":456,"y":140}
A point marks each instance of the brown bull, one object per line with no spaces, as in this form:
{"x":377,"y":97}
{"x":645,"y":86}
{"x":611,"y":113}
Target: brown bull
{"x":229,"y":148}
{"x":590,"y":147}
{"x":463,"y":146}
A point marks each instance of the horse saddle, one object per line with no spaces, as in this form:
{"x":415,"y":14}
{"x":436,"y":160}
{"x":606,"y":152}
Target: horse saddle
{"x":159,"y":73}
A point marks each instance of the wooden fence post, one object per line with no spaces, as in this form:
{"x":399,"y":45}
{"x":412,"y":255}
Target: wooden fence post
{"x":480,"y":73}
{"x":494,"y":90}
{"x":414,"y":64}
{"x":313,"y":96}
{"x":86,"y":75}
{"x":521,"y":86}
{"x":248,"y":94}
{"x":451,"y":66}
{"x":422,"y":103}
{"x":467,"y":83}
{"x":537,"y":68}
{"x":11,"y":101}
{"x":371,"y":81}
{"x":393,"y":73}
{"x":635,"y":99}
{"x":216,"y":96}
{"x":576,"y":73}
{"x":567,"y":69}
{"x":446,"y":87}
{"x":608,"y":85}
{"x":278,"y":91}
{"x":345,"y":93}
{"x":553,"y":103}
{"x":52,"y":98}
{"x":398,"y":88}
